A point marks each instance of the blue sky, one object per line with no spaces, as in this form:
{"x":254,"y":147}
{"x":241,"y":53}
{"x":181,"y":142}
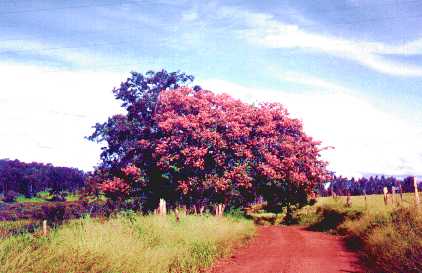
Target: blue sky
{"x":350,"y":69}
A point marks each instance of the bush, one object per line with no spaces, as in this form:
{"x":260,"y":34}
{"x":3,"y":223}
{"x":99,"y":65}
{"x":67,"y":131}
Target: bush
{"x":10,"y":196}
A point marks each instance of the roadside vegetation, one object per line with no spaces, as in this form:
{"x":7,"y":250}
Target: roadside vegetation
{"x":388,"y":238}
{"x":125,"y":243}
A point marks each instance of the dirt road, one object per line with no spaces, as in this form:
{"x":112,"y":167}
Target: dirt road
{"x":290,"y":250}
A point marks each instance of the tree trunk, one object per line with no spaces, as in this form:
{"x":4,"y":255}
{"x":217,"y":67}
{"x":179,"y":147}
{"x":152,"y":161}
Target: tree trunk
{"x":219,"y":210}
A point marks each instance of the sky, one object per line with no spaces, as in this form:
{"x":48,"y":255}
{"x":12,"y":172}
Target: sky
{"x":351,"y":70}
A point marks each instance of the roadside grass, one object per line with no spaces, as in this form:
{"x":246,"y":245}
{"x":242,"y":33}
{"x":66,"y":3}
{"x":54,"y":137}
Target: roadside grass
{"x":126,"y":243}
{"x":388,"y":238}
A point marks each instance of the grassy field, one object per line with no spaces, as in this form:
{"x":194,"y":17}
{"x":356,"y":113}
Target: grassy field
{"x":389,"y":238}
{"x":127,"y":243}
{"x":41,"y":197}
{"x":374,"y":203}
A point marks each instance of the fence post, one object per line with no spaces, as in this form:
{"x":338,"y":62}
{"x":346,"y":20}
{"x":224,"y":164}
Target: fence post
{"x":415,"y":185}
{"x":176,"y":212}
{"x":385,"y":196}
{"x":44,"y":227}
{"x":401,"y":192}
{"x":348,"y":199}
{"x":364,"y":193}
{"x":162,"y":210}
{"x":393,"y":192}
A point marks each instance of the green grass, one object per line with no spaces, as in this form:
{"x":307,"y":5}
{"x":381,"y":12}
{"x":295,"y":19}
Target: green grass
{"x":389,"y":238}
{"x":374,"y":203}
{"x":130,"y":243}
{"x":41,"y":197}
{"x":23,"y":199}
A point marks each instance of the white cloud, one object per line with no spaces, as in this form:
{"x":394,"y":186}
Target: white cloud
{"x":190,"y":16}
{"x":312,"y":81}
{"x":45,"y":115}
{"x":366,"y":139}
{"x":263,"y":29}
{"x":62,"y":53}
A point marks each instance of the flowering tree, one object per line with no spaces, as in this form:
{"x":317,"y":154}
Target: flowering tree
{"x":197,"y":148}
{"x":128,"y":184}
{"x":216,"y":148}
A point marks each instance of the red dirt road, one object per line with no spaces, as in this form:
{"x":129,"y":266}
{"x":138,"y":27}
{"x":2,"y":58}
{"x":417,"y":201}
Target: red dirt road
{"x":290,"y":250}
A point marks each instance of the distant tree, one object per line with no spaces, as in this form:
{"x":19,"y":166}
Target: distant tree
{"x":30,"y":178}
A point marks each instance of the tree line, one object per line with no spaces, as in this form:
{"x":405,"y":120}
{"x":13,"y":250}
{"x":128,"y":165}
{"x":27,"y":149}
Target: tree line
{"x":30,"y":178}
{"x":365,"y":185}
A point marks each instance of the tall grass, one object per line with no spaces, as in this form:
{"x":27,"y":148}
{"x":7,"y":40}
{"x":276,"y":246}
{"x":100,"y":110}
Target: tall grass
{"x":389,"y":238}
{"x":10,"y":228}
{"x":389,"y":242}
{"x":127,"y":243}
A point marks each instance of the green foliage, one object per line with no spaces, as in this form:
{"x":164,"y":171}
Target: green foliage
{"x":126,"y":243}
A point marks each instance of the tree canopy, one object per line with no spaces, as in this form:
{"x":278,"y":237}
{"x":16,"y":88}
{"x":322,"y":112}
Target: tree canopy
{"x":194,"y":147}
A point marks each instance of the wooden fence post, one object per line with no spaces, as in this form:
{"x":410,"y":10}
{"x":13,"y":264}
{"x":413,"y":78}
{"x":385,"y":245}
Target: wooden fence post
{"x":401,"y":192}
{"x":366,"y":204}
{"x":44,"y":227}
{"x":385,"y":196}
{"x":176,"y":213}
{"x":162,"y":209}
{"x":393,"y":195}
{"x":348,"y":199}
{"x":415,"y":185}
